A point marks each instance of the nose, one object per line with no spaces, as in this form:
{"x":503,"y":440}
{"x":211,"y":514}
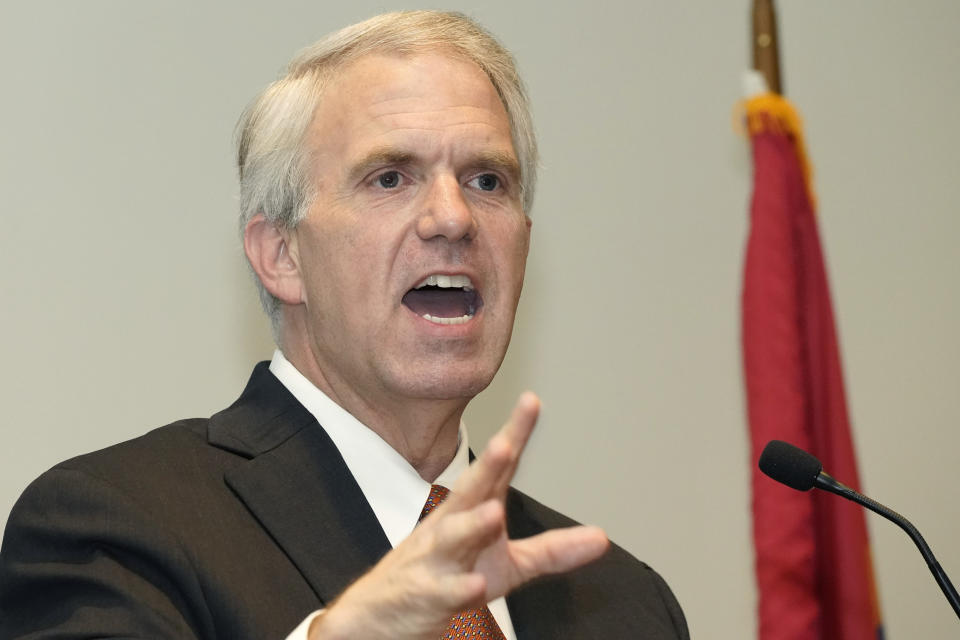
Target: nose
{"x":446,"y":213}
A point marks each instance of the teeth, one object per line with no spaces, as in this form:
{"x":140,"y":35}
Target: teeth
{"x":435,"y":320}
{"x":447,"y":282}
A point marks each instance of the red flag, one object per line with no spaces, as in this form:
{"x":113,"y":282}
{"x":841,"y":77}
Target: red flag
{"x":814,"y":572}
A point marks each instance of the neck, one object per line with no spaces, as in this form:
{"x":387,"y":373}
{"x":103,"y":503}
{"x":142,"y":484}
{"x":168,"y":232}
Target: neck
{"x":424,"y":431}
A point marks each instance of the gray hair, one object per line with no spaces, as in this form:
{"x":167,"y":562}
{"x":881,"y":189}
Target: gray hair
{"x":273,"y":163}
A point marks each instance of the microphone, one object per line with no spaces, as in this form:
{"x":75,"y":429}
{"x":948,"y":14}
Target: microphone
{"x":800,"y":470}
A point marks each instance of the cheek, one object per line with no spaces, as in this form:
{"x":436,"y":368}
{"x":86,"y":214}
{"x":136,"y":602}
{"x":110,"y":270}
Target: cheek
{"x":326,"y":267}
{"x":511,"y":260}
{"x":336,"y":246}
{"x":519,"y":244}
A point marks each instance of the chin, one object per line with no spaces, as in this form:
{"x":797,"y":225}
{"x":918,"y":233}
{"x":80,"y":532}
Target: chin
{"x":448,"y":383}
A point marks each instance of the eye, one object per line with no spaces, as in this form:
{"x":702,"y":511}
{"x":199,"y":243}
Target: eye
{"x":389,"y":179}
{"x":486,"y":182}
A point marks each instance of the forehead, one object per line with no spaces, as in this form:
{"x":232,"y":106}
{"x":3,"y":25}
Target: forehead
{"x":428,"y":99}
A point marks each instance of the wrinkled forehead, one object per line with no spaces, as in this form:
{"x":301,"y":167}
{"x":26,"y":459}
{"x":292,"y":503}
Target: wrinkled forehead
{"x":430,"y":96}
{"x":455,"y":57}
{"x":379,"y":76}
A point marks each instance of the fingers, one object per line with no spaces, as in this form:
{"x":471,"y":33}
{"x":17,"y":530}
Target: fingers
{"x":462,"y":591}
{"x":522,"y":419}
{"x":415,"y":589}
{"x":461,"y":537}
{"x":460,"y":555}
{"x":480,"y":481}
{"x":557,"y":551}
{"x":490,"y":475}
{"x":516,"y":433}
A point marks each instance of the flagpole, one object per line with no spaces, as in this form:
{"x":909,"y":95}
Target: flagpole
{"x":766,"y":52}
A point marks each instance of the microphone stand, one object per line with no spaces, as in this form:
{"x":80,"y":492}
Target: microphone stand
{"x":827,"y":483}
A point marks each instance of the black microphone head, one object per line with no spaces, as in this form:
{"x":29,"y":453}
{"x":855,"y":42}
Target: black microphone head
{"x":789,"y":465}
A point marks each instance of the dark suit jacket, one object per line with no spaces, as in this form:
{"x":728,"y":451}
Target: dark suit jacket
{"x":241,"y":525}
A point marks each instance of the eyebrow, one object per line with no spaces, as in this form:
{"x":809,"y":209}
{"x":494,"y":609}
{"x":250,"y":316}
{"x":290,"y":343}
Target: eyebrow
{"x":385,"y":156}
{"x":377,"y":158}
{"x":505,"y":163}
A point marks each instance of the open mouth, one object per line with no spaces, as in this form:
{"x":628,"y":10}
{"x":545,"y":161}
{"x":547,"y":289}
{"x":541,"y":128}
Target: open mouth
{"x":444,"y":299}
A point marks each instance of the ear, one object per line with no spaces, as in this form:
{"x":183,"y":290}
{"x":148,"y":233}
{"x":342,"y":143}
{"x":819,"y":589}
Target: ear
{"x":268,"y":251}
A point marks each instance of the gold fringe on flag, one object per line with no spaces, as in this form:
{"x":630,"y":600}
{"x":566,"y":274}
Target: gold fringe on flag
{"x":772,"y":113}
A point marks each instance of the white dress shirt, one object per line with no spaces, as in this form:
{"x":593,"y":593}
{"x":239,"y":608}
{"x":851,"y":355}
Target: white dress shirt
{"x":394,"y":489}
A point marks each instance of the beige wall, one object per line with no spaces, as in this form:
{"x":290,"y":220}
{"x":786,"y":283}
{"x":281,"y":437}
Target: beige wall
{"x":125,"y":302}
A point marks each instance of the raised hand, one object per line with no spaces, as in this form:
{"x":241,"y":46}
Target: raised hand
{"x":459,"y":557}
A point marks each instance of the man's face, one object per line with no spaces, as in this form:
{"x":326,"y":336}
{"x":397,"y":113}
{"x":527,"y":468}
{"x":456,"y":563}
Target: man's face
{"x":413,"y":251}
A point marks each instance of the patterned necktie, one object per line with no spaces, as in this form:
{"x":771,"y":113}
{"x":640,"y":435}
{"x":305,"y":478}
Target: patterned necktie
{"x":473,"y":623}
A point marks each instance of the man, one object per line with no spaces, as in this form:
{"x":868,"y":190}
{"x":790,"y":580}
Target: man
{"x":385,"y":182}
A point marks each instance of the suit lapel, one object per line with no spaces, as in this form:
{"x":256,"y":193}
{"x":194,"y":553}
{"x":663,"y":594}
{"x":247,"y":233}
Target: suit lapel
{"x":298,"y":487}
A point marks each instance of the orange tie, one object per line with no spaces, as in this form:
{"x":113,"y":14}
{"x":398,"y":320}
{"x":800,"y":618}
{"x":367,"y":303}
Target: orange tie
{"x":473,"y":623}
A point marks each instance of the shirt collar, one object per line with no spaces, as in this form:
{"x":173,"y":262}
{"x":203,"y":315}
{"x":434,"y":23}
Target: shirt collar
{"x":394,"y":489}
